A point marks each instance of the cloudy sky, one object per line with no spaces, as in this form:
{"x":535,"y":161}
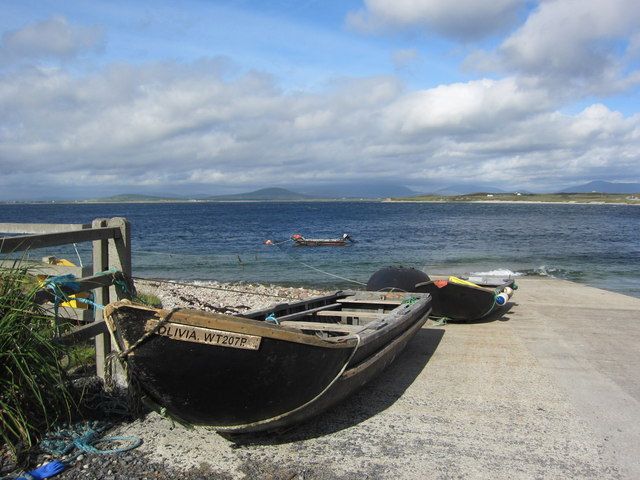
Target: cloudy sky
{"x":223,"y":96}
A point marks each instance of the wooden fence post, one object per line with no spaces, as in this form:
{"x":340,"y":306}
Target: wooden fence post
{"x":120,"y":256}
{"x":100,"y":264}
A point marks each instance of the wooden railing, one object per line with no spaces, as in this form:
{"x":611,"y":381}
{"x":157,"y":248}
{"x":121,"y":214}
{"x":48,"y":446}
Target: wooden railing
{"x":111,"y":266}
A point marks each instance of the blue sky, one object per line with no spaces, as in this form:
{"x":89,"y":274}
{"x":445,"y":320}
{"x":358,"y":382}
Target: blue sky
{"x":226,"y":96}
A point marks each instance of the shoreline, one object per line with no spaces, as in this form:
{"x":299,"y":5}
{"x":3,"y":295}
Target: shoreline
{"x":445,"y":199}
{"x":511,"y":202}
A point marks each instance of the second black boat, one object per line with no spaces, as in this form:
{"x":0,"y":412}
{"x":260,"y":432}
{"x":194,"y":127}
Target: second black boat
{"x":452,"y":298}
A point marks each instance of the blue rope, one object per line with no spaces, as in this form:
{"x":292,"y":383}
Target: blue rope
{"x":89,"y":301}
{"x":271,"y":318}
{"x":84,"y":437}
{"x":55,"y":284}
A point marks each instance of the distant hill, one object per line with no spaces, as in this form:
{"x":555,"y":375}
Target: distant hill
{"x":601,"y":186}
{"x":467,"y":189}
{"x":319,"y":192}
{"x":264,"y":194}
{"x":358,"y":190}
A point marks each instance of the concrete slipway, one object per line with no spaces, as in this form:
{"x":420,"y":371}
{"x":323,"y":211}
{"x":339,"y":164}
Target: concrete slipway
{"x":549,"y":390}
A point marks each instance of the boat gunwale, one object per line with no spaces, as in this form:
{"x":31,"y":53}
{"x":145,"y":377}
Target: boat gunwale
{"x":250,"y":326}
{"x":232,"y":324}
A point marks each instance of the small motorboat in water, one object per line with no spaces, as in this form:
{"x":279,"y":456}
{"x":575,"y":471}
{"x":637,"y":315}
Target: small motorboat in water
{"x":343,"y":241}
{"x":453,"y":298}
{"x":267,"y":369}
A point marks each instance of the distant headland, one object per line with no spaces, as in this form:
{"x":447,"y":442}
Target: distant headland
{"x":591,"y":193}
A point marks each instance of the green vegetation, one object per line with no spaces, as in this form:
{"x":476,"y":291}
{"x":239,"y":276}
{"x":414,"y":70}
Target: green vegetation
{"x":532,"y":197}
{"x":34,"y":393}
{"x":81,"y":356}
{"x":149,"y":299}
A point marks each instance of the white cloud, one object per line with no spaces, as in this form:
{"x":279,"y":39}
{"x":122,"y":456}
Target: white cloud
{"x":576,"y":44}
{"x":465,"y":107}
{"x":463,"y":19}
{"x":210,"y":123}
{"x":176,"y":124}
{"x":53,"y":37}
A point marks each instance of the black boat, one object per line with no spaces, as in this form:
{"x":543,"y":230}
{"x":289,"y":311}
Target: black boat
{"x":268,"y":369}
{"x":453,"y":298}
{"x":458,"y":299}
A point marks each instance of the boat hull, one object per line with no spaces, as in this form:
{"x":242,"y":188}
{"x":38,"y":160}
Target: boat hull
{"x":461,"y":302}
{"x":218,"y":386}
{"x":289,"y":376}
{"x":349,"y":382}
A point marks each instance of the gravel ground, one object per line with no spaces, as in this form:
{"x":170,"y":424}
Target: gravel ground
{"x":223,"y":297}
{"x":137,"y":465}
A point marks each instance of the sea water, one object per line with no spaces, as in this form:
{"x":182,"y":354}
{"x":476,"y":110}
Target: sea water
{"x":597,"y":245}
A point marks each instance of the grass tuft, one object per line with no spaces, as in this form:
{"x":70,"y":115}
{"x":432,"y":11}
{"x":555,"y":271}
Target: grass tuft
{"x":34,"y":393}
{"x":149,"y":299}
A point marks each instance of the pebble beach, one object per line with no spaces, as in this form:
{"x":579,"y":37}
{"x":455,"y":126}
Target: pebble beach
{"x":223,"y":297}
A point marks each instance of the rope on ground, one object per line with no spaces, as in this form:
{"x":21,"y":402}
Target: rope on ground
{"x":112,"y":404}
{"x":84,"y":437}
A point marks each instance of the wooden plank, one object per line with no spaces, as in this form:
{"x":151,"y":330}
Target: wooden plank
{"x":236,"y":324}
{"x":39,"y":268}
{"x":347,"y":301}
{"x":33,"y":228}
{"x":350,"y":314}
{"x":119,"y":257}
{"x":84,"y":332}
{"x":306,"y":313}
{"x":84,"y":285}
{"x":29,"y":242}
{"x":324,"y":327}
{"x":101,"y":263}
{"x":304,"y":304}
